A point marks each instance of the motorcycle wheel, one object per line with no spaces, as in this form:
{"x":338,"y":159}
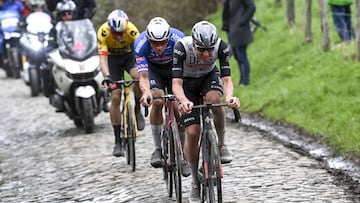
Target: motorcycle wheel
{"x":16,"y":64}
{"x":88,"y":115}
{"x":34,"y":82}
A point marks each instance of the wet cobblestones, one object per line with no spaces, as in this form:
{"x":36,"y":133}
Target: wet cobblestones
{"x":44,"y":158}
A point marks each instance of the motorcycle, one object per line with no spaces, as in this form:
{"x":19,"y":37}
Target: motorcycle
{"x":11,"y":56}
{"x":76,"y":73}
{"x":34,"y":43}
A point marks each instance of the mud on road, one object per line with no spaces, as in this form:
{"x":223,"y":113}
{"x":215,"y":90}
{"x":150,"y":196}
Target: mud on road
{"x":45,"y":158}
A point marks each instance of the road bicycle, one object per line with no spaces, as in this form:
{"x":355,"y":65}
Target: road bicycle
{"x":172,"y":151}
{"x":210,"y":173}
{"x":128,"y":120}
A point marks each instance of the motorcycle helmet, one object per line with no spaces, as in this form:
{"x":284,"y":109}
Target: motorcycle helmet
{"x":204,"y":34}
{"x":37,"y":4}
{"x":117,"y":21}
{"x":66,"y":6}
{"x":158,"y":29}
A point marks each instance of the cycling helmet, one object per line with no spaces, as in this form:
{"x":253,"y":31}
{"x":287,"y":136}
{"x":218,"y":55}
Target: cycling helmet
{"x":65,"y":6}
{"x":158,"y":29}
{"x":118,"y":21}
{"x":204,"y":34}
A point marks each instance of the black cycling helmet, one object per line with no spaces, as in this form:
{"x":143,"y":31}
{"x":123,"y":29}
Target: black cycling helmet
{"x":204,"y":34}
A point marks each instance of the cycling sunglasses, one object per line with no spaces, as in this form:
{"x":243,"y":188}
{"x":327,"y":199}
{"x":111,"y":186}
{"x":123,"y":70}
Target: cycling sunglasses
{"x":118,"y":34}
{"x":159,"y":43}
{"x":67,"y":13}
{"x":203,"y":49}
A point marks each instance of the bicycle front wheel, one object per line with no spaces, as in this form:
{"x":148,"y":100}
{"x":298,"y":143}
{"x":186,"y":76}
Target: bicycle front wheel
{"x":216,"y":168}
{"x":167,"y":171}
{"x":131,"y":136}
{"x":176,"y":160}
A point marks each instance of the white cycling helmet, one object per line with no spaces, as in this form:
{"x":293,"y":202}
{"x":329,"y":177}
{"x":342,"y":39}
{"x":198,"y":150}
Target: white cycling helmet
{"x":158,"y":29}
{"x":118,"y":21}
{"x":204,"y":34}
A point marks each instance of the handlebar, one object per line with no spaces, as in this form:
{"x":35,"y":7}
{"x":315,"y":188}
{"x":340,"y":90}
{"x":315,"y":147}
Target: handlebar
{"x":236,"y":111}
{"x":166,"y":97}
{"x":118,"y":83}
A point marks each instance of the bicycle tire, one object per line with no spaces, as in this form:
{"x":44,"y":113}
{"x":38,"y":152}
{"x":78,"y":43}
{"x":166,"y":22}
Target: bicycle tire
{"x":210,"y":194}
{"x":176,"y":161}
{"x":166,"y":167}
{"x":216,"y":166}
{"x":131,"y":136}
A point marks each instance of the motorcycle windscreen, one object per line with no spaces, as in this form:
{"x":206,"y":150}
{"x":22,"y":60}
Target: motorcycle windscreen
{"x":76,"y":39}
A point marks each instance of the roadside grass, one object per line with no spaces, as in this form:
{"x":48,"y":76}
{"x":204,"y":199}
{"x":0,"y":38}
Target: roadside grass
{"x":299,"y":83}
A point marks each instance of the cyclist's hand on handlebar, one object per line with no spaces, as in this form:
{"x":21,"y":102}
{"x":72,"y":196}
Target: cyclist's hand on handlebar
{"x":185,"y":107}
{"x":233,"y":102}
{"x":106,"y":82}
{"x":146,"y":99}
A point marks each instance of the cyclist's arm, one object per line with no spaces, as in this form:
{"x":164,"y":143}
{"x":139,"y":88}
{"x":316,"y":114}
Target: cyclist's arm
{"x":226,"y":75}
{"x":102,"y":35}
{"x":177,"y":77}
{"x":104,"y":65}
{"x":144,"y":85}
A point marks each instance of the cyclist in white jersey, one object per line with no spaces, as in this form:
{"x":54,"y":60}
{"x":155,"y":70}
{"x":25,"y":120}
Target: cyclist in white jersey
{"x":196,"y":75}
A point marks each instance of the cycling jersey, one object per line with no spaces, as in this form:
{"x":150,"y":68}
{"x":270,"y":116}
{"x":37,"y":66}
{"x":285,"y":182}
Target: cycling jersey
{"x":108,"y":45}
{"x":145,"y":55}
{"x":187,"y":64}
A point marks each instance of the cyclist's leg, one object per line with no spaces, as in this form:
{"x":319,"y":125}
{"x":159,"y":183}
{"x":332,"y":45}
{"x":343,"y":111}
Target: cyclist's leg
{"x":116,"y":73}
{"x":156,"y":123}
{"x":213,"y":94}
{"x":137,"y":94}
{"x":158,"y":81}
{"x":192,"y":149}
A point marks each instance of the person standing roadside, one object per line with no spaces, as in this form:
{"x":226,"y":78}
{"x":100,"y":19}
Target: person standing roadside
{"x":236,"y":23}
{"x":341,"y":13}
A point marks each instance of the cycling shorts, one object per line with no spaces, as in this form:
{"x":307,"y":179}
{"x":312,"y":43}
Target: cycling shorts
{"x":120,"y":63}
{"x":195,"y":89}
{"x":160,"y":78}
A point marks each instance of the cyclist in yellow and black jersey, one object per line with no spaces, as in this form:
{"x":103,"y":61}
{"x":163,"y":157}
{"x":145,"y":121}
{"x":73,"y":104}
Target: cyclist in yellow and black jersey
{"x":116,"y":39}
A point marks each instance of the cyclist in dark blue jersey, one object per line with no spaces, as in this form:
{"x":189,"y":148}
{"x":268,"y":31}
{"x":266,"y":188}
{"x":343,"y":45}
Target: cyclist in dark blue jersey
{"x":154,"y":59}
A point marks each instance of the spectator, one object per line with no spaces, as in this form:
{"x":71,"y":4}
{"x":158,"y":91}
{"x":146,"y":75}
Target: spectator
{"x":341,"y":13}
{"x":236,"y":22}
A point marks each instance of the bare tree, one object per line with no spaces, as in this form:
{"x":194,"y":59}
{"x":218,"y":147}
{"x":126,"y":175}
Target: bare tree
{"x":290,"y":12}
{"x":307,"y":21}
{"x":357,"y":13}
{"x":324,"y":25}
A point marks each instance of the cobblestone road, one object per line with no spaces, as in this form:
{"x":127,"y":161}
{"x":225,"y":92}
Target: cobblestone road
{"x":44,"y":158}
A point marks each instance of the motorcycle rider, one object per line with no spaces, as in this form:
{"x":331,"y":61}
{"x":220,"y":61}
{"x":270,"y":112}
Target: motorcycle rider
{"x":116,"y":38}
{"x":66,"y":10}
{"x":85,"y":8}
{"x":8,"y":5}
{"x":154,"y":49}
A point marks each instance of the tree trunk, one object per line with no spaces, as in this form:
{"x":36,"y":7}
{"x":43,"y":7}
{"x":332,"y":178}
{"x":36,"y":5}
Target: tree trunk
{"x":290,"y":11}
{"x":357,"y":13}
{"x":307,"y":21}
{"x":324,"y":25}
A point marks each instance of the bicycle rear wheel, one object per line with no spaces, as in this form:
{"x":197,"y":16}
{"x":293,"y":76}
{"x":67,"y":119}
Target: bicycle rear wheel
{"x":131,"y":136}
{"x":176,"y":160}
{"x":167,"y":173}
